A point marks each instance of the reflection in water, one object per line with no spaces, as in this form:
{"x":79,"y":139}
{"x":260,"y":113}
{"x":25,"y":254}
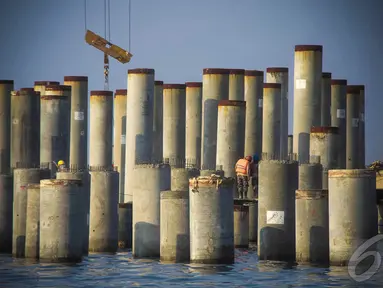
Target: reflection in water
{"x":209,"y":269}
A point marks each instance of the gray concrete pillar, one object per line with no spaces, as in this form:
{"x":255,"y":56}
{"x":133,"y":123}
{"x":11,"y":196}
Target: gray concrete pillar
{"x":307,"y":96}
{"x":253,"y":222}
{"x":21,"y":178}
{"x":362,"y":133}
{"x":230,"y":134}
{"x":326,"y":99}
{"x":237,"y":84}
{"x":149,"y":181}
{"x":312,"y":226}
{"x":193,"y":123}
{"x":78,"y":147}
{"x":139,"y":115}
{"x":84,"y":177}
{"x":174,"y":223}
{"x":290,"y":145}
{"x":125,"y":225}
{"x":210,"y":172}
{"x":158,"y":121}
{"x":338,"y":117}
{"x":324,"y":144}
{"x":310,"y":176}
{"x":254,"y":111}
{"x":101,"y":129}
{"x":32,"y":238}
{"x":119,"y":144}
{"x":215,"y":87}
{"x":281,"y":75}
{"x":39,"y":86}
{"x":60,"y":210}
{"x":6,"y":213}
{"x":174,"y":122}
{"x":25,"y":142}
{"x":352,"y":212}
{"x":6,"y":86}
{"x":103,"y":223}
{"x":271,"y":120}
{"x":179,"y":178}
{"x":241,"y":226}
{"x":278,"y":181}
{"x":352,"y":127}
{"x":211,"y":213}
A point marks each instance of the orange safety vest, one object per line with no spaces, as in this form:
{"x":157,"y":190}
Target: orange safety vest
{"x":242,"y":167}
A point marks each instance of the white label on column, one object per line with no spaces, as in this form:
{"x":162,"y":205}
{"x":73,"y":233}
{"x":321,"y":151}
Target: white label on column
{"x":79,"y":115}
{"x":123,"y":139}
{"x":340,"y":113}
{"x":300,"y":83}
{"x":275,"y":217}
{"x":362,"y":117}
{"x":87,"y":219}
{"x":355,"y":122}
{"x":260,"y":103}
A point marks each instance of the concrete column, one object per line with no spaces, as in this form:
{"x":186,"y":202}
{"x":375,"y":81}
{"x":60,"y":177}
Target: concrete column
{"x":6,"y":213}
{"x":119,"y":144}
{"x":254,"y":111}
{"x":281,"y":75}
{"x":101,"y":123}
{"x":253,"y":222}
{"x":278,"y":181}
{"x":125,"y":225}
{"x":290,"y":145}
{"x":237,"y":84}
{"x":179,"y":178}
{"x":307,"y":96}
{"x":338,"y":117}
{"x":32,"y":239}
{"x":271,"y":120}
{"x":326,"y":99}
{"x":352,"y":127}
{"x":352,"y":212}
{"x":215,"y":87}
{"x":174,"y":223}
{"x":103,"y":223}
{"x":21,"y":178}
{"x":25,"y":142}
{"x":230,"y":134}
{"x":139,"y":115}
{"x":241,"y":226}
{"x":6,"y":86}
{"x":324,"y":144}
{"x":312,"y":226}
{"x":211,"y":213}
{"x":60,"y":210}
{"x":362,"y":133}
{"x":84,"y":177}
{"x":158,"y":121}
{"x":174,"y":122}
{"x":149,"y":181}
{"x":39,"y":86}
{"x":380,"y":216}
{"x":193,"y":123}
{"x":78,"y":151}
{"x":310,"y":176}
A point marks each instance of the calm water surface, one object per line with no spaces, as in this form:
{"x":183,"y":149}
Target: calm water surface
{"x":121,"y":270}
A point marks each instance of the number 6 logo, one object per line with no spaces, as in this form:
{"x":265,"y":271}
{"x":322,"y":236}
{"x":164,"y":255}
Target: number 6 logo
{"x":360,"y":254}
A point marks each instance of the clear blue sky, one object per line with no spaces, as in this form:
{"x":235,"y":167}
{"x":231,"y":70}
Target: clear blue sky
{"x":44,"y":40}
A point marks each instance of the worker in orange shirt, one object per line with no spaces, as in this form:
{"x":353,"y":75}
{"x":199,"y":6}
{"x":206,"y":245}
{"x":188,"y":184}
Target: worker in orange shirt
{"x":243,"y":171}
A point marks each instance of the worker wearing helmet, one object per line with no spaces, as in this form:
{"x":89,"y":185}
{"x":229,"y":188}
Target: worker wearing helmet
{"x":243,"y":171}
{"x":61,"y":165}
{"x":254,"y":175}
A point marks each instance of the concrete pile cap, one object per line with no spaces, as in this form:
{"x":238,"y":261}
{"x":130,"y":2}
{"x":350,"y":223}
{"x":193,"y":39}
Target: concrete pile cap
{"x":222,"y":71}
{"x":213,"y":180}
{"x":254,"y":73}
{"x":174,"y":86}
{"x":237,"y":71}
{"x":148,"y":71}
{"x":59,"y":182}
{"x":76,"y":78}
{"x":58,"y":88}
{"x":33,"y":186}
{"x":193,"y":84}
{"x":156,"y":165}
{"x":335,"y":82}
{"x":312,"y":194}
{"x":125,"y":205}
{"x":46,"y":83}
{"x":272,"y":86}
{"x":351,"y":173}
{"x":325,"y":129}
{"x":306,"y":48}
{"x":121,"y":92}
{"x":158,"y":83}
{"x":7,"y":82}
{"x":244,"y":208}
{"x":101,"y":93}
{"x":353,"y":89}
{"x":237,"y":103}
{"x":170,"y":194}
{"x":25,"y":91}
{"x":277,"y":70}
{"x":326,"y":75}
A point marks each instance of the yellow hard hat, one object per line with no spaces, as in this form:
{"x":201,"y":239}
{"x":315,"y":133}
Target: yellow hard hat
{"x":61,"y":162}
